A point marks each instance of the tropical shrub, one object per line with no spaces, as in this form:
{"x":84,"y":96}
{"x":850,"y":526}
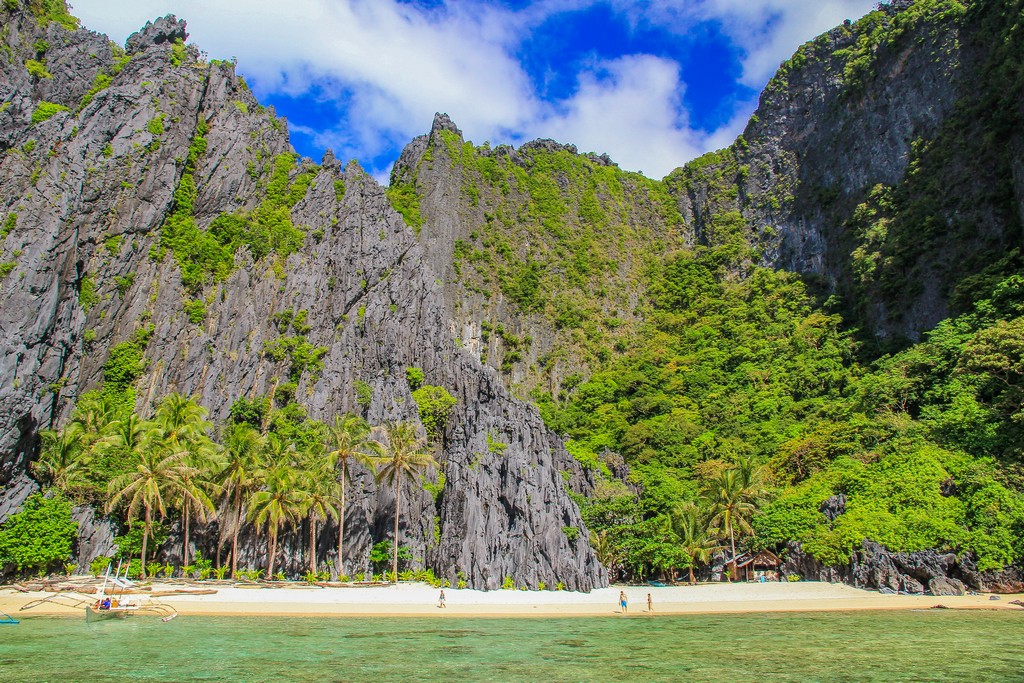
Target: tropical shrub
{"x":99,"y":565}
{"x":38,"y":536}
{"x":45,"y":110}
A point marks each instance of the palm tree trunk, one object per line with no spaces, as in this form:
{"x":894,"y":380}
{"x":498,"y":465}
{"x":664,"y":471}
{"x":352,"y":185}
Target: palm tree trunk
{"x":732,"y":543}
{"x":184,"y":543}
{"x":145,"y":537}
{"x":234,"y":533}
{"x":398,"y":500}
{"x":341,"y":522}
{"x":312,"y":544}
{"x":692,"y":579}
{"x":273,"y":551}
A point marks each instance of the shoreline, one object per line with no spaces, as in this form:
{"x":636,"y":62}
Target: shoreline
{"x":420,"y":600}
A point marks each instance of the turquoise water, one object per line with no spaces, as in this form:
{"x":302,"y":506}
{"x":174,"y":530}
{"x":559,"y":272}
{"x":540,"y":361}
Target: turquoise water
{"x":937,"y":645}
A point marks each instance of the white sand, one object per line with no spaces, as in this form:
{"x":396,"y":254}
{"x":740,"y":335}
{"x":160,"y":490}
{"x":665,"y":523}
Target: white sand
{"x":421,"y":600}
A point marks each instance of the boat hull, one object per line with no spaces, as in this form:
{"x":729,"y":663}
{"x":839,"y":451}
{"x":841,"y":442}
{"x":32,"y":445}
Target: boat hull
{"x":93,"y":614}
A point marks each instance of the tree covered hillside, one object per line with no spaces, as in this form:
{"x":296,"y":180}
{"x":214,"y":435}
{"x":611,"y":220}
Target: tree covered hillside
{"x":747,"y":375}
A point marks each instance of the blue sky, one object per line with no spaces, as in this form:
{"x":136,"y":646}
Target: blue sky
{"x":651,"y":83}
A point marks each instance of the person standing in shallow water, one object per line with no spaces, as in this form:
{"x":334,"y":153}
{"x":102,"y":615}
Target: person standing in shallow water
{"x":623,"y":603}
{"x":440,"y":601}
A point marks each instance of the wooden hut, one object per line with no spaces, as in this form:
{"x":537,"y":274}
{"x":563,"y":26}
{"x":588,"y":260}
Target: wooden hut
{"x":752,"y":566}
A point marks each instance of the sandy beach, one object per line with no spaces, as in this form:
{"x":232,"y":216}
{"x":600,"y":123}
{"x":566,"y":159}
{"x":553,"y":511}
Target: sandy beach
{"x":422,"y":600}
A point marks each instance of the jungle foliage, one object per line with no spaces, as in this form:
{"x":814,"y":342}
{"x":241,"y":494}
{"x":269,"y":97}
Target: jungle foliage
{"x":742,"y":368}
{"x":39,"y":537}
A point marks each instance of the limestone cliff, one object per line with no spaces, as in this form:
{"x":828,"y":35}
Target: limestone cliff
{"x":883,"y":162}
{"x":883,"y":159}
{"x":103,"y":152}
{"x":544,"y":252}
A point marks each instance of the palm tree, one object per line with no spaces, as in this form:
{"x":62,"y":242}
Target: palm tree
{"x":181,"y":424}
{"x":131,"y":433}
{"x":149,"y":486}
{"x":350,"y":441}
{"x":753,"y":477}
{"x":275,"y":504}
{"x":278,"y":450}
{"x":243,"y":448}
{"x":405,"y":455}
{"x":731,"y":506}
{"x":192,"y":491}
{"x":181,"y":419}
{"x":604,"y":551}
{"x":64,"y":457}
{"x":317,"y":488}
{"x":694,"y":539}
{"x":94,"y":413}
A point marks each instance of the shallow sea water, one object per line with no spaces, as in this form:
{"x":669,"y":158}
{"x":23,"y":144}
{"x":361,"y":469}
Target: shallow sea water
{"x":930,"y":645}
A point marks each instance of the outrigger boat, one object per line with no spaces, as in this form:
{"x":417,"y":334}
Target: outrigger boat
{"x":116,"y":606}
{"x":113,"y":606}
{"x":6,"y":618}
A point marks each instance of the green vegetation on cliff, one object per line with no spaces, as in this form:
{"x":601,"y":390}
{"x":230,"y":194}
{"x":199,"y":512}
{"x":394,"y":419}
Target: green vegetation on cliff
{"x":564,"y":238}
{"x":207,"y":256}
{"x":953,"y":212}
{"x":732,"y":372}
{"x":50,"y":10}
{"x":750,"y":411}
{"x":743,"y":402}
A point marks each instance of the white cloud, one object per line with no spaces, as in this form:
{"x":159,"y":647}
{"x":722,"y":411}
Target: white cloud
{"x":395,"y":65}
{"x":629,"y":108}
{"x":794,"y":22}
{"x":766,"y":31}
{"x":399,"y":61}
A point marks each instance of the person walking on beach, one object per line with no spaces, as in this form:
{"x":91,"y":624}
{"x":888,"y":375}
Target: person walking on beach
{"x":623,"y":603}
{"x":650,"y":607}
{"x":440,"y":601}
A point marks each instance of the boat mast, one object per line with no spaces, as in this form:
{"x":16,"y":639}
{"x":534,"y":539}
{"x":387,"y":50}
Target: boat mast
{"x":103,"y":588}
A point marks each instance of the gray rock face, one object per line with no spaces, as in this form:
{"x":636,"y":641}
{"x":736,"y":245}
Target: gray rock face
{"x":941,"y":585}
{"x":875,"y":567}
{"x":95,"y":538}
{"x":164,"y":30}
{"x":14,"y":493}
{"x":91,"y":195}
{"x":1008,"y":580}
{"x":833,"y":507}
{"x":481,"y":224}
{"x":824,"y":136}
{"x":84,"y":195}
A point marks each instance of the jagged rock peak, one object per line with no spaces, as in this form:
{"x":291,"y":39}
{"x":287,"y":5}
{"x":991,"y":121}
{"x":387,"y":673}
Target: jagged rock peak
{"x":166,"y":29}
{"x":354,"y":167}
{"x":551,"y":146}
{"x":444,"y":122}
{"x":601,"y":159}
{"x":895,"y":6}
{"x":330,"y":161}
{"x":547,"y":145}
